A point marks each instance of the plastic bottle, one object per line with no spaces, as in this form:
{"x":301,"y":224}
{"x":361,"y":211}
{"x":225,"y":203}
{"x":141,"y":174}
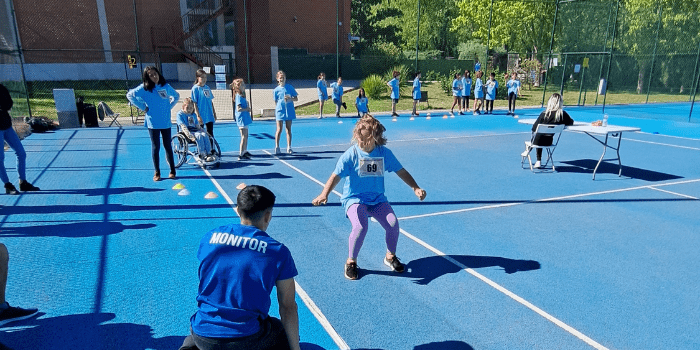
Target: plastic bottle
{"x":605,"y":120}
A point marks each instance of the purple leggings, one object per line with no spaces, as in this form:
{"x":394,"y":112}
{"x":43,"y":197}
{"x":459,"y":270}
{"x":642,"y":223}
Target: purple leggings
{"x":358,"y":215}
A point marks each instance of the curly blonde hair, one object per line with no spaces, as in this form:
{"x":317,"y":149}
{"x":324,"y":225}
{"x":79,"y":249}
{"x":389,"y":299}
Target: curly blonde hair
{"x":236,"y":87}
{"x":375,"y":128}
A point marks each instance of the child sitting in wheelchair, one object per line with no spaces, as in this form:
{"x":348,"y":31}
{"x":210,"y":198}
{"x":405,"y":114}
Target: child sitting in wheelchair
{"x":189,"y":126}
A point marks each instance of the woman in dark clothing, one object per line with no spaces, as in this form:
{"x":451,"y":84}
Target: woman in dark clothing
{"x":554,"y":114}
{"x":8,"y":134}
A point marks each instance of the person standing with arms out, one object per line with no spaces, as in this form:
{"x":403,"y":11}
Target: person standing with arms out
{"x":239,"y":264}
{"x":204,"y":106}
{"x":491,"y":86}
{"x":242,"y":114}
{"x":338,"y":96}
{"x":284,"y":95}
{"x":478,"y":93}
{"x":416,"y":93}
{"x":395,"y":91}
{"x":466,"y":90}
{"x":8,"y":134}
{"x":362,"y":103}
{"x":456,"y":94}
{"x":513,"y":91}
{"x":363,"y":166}
{"x":156,"y":98}
{"x":322,"y":93}
{"x":554,"y":114}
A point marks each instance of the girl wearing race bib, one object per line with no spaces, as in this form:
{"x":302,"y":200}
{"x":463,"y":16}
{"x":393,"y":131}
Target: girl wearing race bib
{"x":478,"y":93}
{"x":513,"y":91}
{"x":457,"y":94}
{"x":156,"y":97}
{"x":361,"y":103}
{"x":284,"y":96}
{"x":394,"y":85}
{"x":466,"y":90}
{"x":242,"y":114}
{"x":363,"y":166}
{"x":202,"y":98}
{"x":322,"y":93}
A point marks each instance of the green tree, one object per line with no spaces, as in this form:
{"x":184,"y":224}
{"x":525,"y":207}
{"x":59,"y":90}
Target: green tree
{"x":371,"y":20}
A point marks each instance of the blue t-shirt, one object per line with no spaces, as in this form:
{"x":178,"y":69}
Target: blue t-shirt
{"x":159,"y":101}
{"x":513,"y":86}
{"x":337,"y":91}
{"x":457,"y":87}
{"x":202,"y":96}
{"x":242,"y":118}
{"x":238,"y":267}
{"x":478,"y":89}
{"x":187,"y":120}
{"x":394,"y":83}
{"x":361,"y":103}
{"x":466,"y":86}
{"x":322,"y":90}
{"x":416,"y":89}
{"x":364,"y":173}
{"x":491,"y":86}
{"x":284,"y":110}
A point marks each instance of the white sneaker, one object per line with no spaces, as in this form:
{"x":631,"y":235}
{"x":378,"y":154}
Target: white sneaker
{"x":320,"y":117}
{"x":289,"y":151}
{"x":525,"y":153}
{"x":210,"y":159}
{"x":538,"y":164}
{"x":277,"y":150}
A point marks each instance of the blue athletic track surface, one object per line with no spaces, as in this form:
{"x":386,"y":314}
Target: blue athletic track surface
{"x":497,"y":257}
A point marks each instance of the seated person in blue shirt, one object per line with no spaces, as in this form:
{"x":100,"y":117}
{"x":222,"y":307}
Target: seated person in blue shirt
{"x":189,"y":126}
{"x":239,"y":266}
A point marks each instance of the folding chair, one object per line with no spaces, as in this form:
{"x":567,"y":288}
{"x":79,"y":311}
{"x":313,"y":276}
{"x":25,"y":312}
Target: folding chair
{"x":542,"y":133}
{"x":104,"y":111}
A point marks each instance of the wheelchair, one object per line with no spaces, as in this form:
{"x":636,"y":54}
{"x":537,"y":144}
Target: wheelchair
{"x":184,"y":148}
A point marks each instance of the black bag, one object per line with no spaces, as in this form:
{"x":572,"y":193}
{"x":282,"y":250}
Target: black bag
{"x":38,"y":125}
{"x":90,"y":115}
{"x":80,"y":106}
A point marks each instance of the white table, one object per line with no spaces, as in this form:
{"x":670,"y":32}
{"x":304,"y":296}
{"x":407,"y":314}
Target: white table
{"x":596,"y":133}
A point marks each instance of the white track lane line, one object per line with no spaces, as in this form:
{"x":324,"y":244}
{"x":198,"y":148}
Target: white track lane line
{"x":300,"y":291}
{"x":553,"y":199}
{"x":662,"y":144}
{"x":673,"y":193}
{"x":483,"y":278}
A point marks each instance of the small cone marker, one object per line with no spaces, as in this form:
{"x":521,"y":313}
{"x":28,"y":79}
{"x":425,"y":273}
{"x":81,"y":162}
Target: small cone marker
{"x":393,"y":120}
{"x":412,"y":118}
{"x":184,"y":192}
{"x":428,"y":117}
{"x":444,"y":116}
{"x":211,"y":195}
{"x":240,"y":186}
{"x":340,"y":122}
{"x":452,"y":116}
{"x":178,"y":186}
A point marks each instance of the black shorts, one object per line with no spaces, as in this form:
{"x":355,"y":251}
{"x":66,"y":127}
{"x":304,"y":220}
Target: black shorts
{"x":395,"y":100}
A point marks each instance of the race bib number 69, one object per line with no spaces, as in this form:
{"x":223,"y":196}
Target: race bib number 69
{"x":371,"y":167}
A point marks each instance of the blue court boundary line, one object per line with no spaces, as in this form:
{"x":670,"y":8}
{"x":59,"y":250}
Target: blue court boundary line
{"x":315,"y":310}
{"x":483,"y":278}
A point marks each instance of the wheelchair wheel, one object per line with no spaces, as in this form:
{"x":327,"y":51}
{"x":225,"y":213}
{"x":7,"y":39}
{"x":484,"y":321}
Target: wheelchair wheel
{"x":217,"y":149}
{"x":180,"y":149}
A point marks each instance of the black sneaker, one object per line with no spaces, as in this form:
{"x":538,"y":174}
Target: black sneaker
{"x":394,"y":264}
{"x":10,"y":188}
{"x":25,"y":186}
{"x":345,"y":106}
{"x":351,"y":272}
{"x":12,"y":314}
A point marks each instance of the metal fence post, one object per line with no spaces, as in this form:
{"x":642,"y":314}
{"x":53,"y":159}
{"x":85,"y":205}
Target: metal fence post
{"x":696,"y":83}
{"x":21,"y":57}
{"x":417,"y":32}
{"x":612,"y":47}
{"x":653,"y":58}
{"x":549,"y":59}
{"x":602,"y":58}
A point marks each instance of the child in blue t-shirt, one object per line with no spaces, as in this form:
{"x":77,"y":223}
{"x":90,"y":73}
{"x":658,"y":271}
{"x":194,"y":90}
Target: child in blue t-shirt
{"x":242,"y":114}
{"x":478,"y":92}
{"x":202,"y":97}
{"x":285,"y":95}
{"x":491,"y":86}
{"x":189,"y":126}
{"x":456,"y":94}
{"x":322,"y":93}
{"x":363,"y":166}
{"x":466,"y":90}
{"x":394,"y":85}
{"x":362,"y":103}
{"x":513,"y":91}
{"x":338,"y":96}
{"x":416,"y":93}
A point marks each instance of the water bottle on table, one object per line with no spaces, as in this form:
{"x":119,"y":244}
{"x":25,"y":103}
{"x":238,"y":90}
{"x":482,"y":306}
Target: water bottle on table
{"x":605,"y":120}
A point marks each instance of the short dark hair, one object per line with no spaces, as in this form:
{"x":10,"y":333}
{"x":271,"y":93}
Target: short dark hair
{"x":253,"y":201}
{"x":147,"y":82}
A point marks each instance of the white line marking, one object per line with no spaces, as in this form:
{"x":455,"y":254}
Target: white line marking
{"x":663,"y":144}
{"x":483,"y":278}
{"x":300,"y":291}
{"x":549,"y":199}
{"x":674,"y":193}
